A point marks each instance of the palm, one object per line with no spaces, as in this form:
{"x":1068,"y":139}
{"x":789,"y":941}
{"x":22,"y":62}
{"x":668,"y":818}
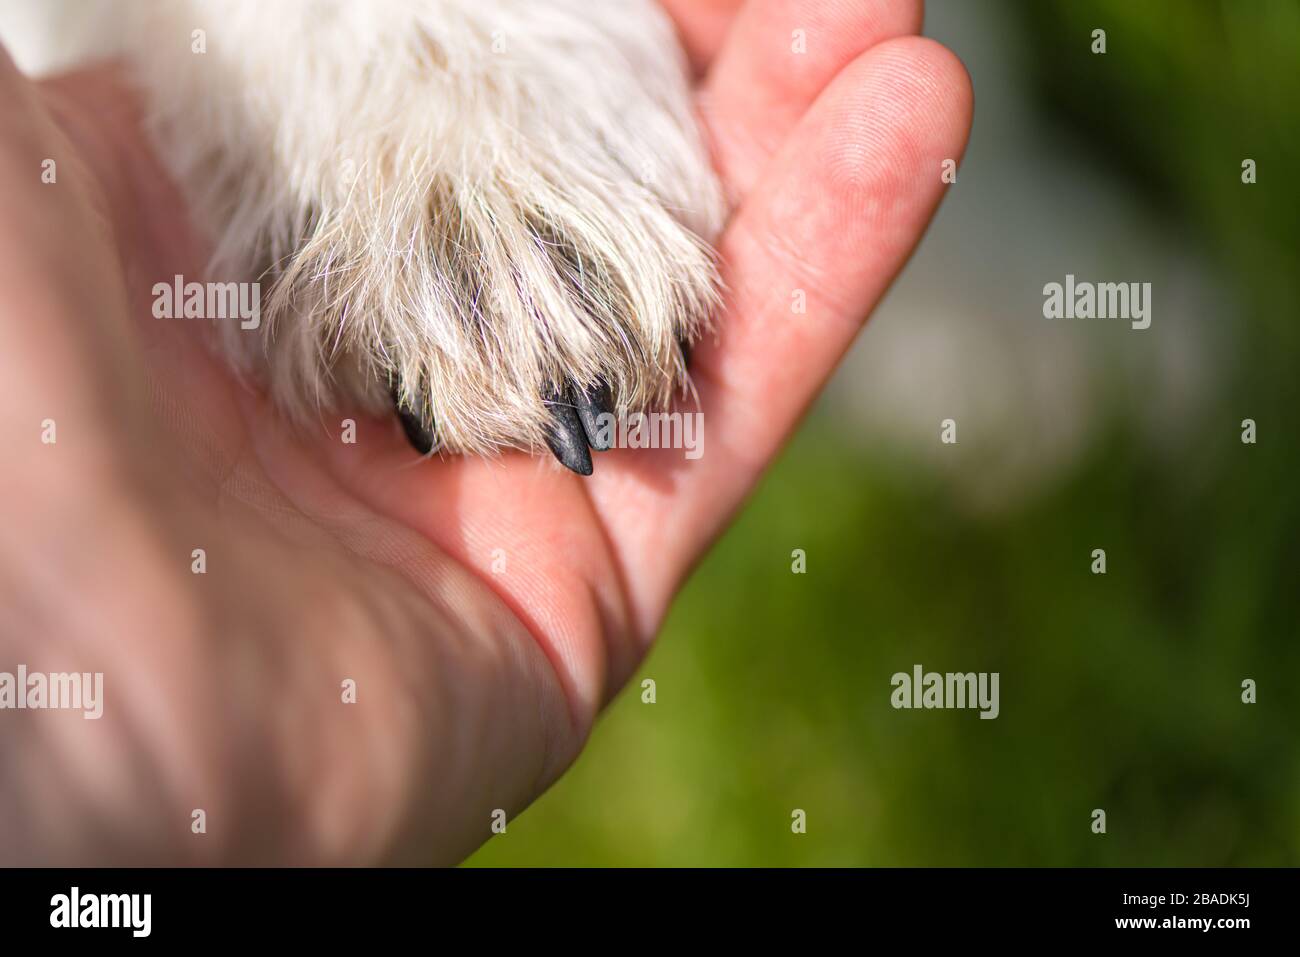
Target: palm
{"x":455,"y":572}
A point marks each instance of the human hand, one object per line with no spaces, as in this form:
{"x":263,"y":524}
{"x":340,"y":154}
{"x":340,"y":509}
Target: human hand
{"x":485,"y":609}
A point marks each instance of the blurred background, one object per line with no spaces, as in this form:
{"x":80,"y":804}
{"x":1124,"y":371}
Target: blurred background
{"x":1120,"y":691}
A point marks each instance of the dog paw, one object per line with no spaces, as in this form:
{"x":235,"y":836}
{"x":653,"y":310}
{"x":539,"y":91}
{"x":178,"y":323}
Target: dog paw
{"x":494,"y":216}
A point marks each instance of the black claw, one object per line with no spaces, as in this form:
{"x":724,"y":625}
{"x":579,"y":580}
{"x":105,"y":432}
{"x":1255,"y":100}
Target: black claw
{"x":421,"y":439}
{"x":685,"y":345}
{"x":567,"y":439}
{"x":593,"y":403}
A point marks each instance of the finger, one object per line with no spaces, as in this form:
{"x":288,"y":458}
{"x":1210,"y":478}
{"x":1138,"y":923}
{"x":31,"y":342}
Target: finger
{"x":702,"y":26}
{"x":777,"y":58}
{"x":834,"y":219}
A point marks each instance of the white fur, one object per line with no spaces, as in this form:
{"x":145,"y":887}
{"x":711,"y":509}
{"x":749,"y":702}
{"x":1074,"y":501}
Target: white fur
{"x":477,"y":199}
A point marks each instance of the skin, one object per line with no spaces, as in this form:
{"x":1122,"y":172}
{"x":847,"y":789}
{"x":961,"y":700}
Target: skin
{"x":486,"y":610}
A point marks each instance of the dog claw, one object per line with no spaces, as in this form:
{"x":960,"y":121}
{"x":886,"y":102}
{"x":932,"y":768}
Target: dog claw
{"x":567,"y":439}
{"x":685,"y":346}
{"x":422,"y":440}
{"x":593,"y":403}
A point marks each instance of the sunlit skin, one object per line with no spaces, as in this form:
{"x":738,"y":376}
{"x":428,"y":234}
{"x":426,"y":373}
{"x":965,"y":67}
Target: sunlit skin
{"x":485,"y":609}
